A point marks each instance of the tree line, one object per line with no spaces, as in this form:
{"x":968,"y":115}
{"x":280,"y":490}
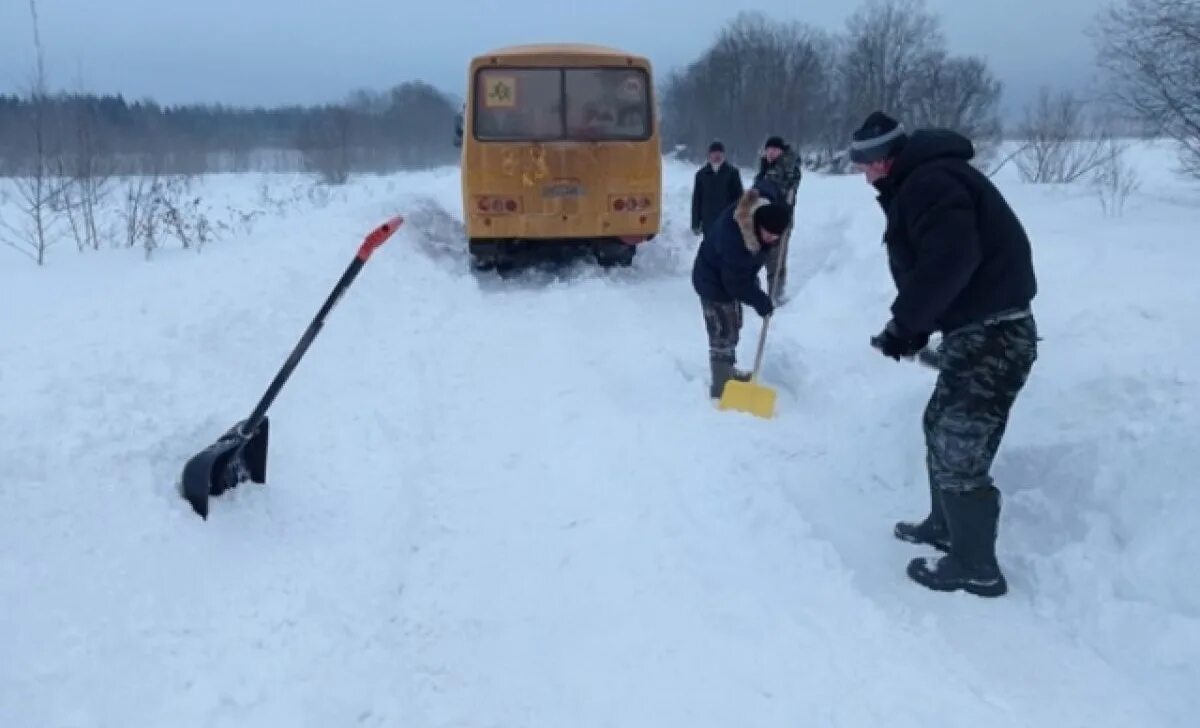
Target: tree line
{"x":762,"y":76}
{"x":402,"y":128}
{"x":758,"y":77}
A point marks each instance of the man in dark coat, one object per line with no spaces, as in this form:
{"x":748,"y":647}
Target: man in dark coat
{"x":725,"y":273}
{"x":962,"y":266}
{"x":779,"y":163}
{"x":718,"y":185}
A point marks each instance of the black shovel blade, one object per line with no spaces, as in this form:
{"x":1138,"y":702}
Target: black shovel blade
{"x":234,"y":458}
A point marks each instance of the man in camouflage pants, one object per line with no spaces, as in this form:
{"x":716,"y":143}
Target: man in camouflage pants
{"x":962,"y":265}
{"x":779,"y":164}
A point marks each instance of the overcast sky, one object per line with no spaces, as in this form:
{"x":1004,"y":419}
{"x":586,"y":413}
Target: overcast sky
{"x":305,"y":51}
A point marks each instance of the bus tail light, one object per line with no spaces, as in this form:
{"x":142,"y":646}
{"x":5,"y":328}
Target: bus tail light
{"x":630,"y":203}
{"x":497,"y":204}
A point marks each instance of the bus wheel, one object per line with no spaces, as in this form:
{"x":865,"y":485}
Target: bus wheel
{"x":614,"y":253}
{"x":487,"y":255}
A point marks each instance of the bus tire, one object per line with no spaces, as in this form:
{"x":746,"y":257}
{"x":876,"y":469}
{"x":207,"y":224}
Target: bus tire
{"x":614,"y":253}
{"x":485,"y":255}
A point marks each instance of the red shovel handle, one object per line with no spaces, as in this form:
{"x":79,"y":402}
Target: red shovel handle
{"x":378,"y":237}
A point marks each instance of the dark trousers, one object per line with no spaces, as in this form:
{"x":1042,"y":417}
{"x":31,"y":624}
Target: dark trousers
{"x":723,"y":323}
{"x":983,"y":369}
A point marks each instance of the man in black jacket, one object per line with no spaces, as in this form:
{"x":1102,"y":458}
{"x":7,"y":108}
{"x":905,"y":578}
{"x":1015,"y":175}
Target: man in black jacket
{"x":718,"y":185}
{"x":725,"y":273}
{"x":962,"y":265}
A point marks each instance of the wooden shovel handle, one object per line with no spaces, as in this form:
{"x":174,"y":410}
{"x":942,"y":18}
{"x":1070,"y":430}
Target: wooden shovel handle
{"x":762,"y":336}
{"x":758,"y":356}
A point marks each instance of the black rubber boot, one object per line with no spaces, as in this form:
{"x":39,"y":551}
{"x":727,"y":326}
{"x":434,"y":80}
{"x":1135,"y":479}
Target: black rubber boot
{"x":971,"y":564}
{"x":722,"y":371}
{"x":931,"y":531}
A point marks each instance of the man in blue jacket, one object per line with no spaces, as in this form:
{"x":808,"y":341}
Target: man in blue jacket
{"x":725,"y":273}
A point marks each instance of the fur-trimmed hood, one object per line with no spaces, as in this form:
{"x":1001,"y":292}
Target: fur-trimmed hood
{"x":750,"y":201}
{"x":730,"y":255}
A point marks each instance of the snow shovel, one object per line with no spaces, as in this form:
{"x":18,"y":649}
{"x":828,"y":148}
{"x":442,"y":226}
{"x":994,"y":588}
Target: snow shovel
{"x":241,"y":453}
{"x":751,"y":397}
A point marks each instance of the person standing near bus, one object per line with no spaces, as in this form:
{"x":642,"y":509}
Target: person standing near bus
{"x":780,"y":164}
{"x":718,"y":185}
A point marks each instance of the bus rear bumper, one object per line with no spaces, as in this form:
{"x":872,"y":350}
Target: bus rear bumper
{"x":488,"y":253}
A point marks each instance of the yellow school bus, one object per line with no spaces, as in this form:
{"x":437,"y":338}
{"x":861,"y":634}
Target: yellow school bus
{"x":560,"y":147}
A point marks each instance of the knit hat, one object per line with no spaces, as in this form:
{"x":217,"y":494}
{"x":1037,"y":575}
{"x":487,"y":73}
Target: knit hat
{"x":716,"y":146}
{"x":775,"y":142}
{"x":773,"y":217}
{"x":880,"y":137}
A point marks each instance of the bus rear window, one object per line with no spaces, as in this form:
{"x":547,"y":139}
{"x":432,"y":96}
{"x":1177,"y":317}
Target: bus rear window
{"x":518,"y":104}
{"x":527,"y":104}
{"x":607,"y":103}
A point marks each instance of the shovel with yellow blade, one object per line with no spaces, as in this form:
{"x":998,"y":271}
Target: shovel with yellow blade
{"x":751,"y":397}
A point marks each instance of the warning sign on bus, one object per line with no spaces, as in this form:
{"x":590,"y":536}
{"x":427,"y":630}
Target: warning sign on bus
{"x":501,"y":92}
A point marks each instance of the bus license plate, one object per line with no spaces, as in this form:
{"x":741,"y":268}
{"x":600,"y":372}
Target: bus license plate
{"x":563,"y":189}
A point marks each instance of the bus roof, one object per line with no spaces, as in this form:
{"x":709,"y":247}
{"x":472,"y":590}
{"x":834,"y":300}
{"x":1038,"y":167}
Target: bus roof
{"x":560,"y":50}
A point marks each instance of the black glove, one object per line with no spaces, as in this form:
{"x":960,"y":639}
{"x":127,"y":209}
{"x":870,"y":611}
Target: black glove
{"x":766,"y":308}
{"x":897,"y":343}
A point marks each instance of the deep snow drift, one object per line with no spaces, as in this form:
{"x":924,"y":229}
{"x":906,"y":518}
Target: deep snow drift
{"x":511,"y":503}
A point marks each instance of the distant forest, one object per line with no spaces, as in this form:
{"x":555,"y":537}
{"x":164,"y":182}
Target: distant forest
{"x":409,"y":126}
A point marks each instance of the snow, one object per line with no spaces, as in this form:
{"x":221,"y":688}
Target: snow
{"x":510,"y":503}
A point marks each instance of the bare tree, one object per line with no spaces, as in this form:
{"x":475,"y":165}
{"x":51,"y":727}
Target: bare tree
{"x":960,"y":94}
{"x":158,"y":206}
{"x":683,"y":117}
{"x":891,"y":45}
{"x":833,"y":118}
{"x":88,"y":174}
{"x":1061,"y":143}
{"x":138,"y":210}
{"x":38,"y":189}
{"x":1151,"y":48}
{"x":810,"y":55}
{"x":759,"y":78}
{"x":1115,"y":180}
{"x":414,"y":123}
{"x":895,"y":60}
{"x":325,"y":143}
